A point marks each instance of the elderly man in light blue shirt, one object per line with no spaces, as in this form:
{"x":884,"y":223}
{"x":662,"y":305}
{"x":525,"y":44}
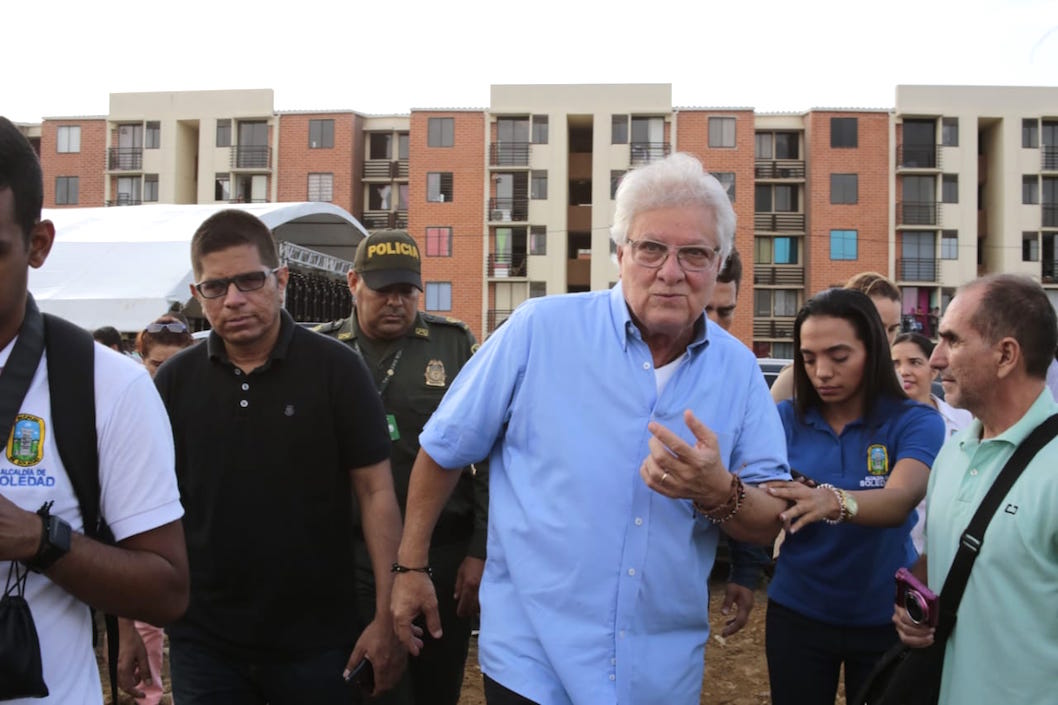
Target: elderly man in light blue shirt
{"x":625,"y":430}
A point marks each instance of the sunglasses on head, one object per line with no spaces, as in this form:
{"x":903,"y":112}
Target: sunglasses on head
{"x":171,"y":326}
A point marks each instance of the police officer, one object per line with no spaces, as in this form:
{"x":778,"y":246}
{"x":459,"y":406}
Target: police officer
{"x":414,"y":356}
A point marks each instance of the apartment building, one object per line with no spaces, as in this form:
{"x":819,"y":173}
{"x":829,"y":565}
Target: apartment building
{"x":515,"y":200}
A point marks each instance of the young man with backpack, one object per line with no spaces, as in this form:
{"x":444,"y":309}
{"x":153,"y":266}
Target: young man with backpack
{"x":59,"y":477}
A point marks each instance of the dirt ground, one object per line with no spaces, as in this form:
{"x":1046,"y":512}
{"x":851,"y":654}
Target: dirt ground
{"x":736,"y":671}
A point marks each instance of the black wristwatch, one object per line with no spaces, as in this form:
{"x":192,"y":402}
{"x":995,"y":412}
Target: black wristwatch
{"x":54,"y":540}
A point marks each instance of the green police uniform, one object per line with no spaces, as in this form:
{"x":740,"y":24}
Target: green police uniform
{"x":413,"y":373}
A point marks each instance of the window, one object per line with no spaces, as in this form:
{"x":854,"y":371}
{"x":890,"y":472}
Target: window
{"x":69,"y":139}
{"x":321,"y":134}
{"x":439,"y":186}
{"x":787,"y":145}
{"x":537,"y":289}
{"x":843,"y":244}
{"x":763,"y":143}
{"x":619,"y":129}
{"x":438,"y":296}
{"x":152,"y":135}
{"x":539,"y":133}
{"x":615,"y":181}
{"x":538,"y":239}
{"x":721,"y":132}
{"x":439,"y":242}
{"x":150,"y":188}
{"x":538,"y":186}
{"x":378,"y":145}
{"x":321,"y":187}
{"x":1030,"y":133}
{"x":775,"y":302}
{"x":776,"y":250}
{"x":440,"y":132}
{"x":785,"y":302}
{"x":844,"y":188}
{"x":1030,"y":189}
{"x":224,"y":133}
{"x":949,"y":191}
{"x":222,"y":187}
{"x":844,"y":132}
{"x":402,"y":146}
{"x":66,"y":190}
{"x":949,"y":132}
{"x":727,"y":180}
{"x":949,"y":244}
{"x":1030,"y":247}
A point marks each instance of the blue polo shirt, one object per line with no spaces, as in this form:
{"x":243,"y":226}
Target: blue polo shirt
{"x":596,"y":587}
{"x":843,"y":574}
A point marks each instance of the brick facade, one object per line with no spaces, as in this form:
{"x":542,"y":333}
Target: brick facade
{"x":87,"y":165}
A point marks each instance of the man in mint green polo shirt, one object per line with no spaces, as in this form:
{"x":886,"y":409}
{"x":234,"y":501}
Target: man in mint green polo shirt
{"x":997,"y":339}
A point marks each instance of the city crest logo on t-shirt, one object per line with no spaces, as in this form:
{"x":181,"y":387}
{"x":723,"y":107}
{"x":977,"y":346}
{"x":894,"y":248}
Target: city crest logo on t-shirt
{"x":877,"y":459}
{"x":26,"y":444}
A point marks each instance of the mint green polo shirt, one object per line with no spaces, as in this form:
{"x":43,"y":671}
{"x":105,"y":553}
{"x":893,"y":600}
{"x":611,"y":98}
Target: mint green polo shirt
{"x":1005,"y":645}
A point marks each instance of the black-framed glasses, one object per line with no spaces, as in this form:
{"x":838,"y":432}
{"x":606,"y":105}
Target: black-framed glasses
{"x":692,"y":258}
{"x":247,"y":281}
{"x":171,"y":326}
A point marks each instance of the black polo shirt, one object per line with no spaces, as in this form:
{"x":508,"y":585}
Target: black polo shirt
{"x":262,"y":461}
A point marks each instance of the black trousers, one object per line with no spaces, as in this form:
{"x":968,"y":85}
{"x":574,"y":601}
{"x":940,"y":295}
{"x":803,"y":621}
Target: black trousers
{"x":496,"y":694}
{"x":805,"y":656}
{"x":435,"y":676}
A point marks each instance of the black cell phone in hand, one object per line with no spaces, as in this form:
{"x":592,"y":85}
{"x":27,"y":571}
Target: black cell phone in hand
{"x":363,"y":676}
{"x":801,"y":477}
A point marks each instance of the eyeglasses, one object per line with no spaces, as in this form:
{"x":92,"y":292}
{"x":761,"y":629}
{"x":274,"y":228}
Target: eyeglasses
{"x":171,"y":326}
{"x":692,"y":258}
{"x":248,"y":281}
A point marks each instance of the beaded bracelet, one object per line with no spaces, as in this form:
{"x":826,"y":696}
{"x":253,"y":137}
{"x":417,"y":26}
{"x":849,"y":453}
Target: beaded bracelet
{"x":398,"y":568}
{"x":842,"y":504}
{"x":731,"y":506}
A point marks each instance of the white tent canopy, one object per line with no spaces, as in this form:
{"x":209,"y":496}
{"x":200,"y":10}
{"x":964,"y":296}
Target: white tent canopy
{"x":123,"y":267}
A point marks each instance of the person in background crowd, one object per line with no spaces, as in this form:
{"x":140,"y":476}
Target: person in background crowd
{"x":886,"y":298}
{"x":109,"y":336}
{"x":414,"y":357}
{"x":747,"y":562}
{"x":864,"y":450}
{"x":144,"y":576}
{"x":624,"y":430}
{"x":997,"y":338}
{"x":276,"y":427}
{"x":911,"y":352}
{"x":140,"y":659}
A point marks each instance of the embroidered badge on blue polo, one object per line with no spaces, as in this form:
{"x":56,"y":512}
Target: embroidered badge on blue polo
{"x":877,"y":459}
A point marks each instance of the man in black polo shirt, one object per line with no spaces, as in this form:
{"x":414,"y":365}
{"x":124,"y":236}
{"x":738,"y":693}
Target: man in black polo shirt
{"x":275,"y":428}
{"x":413,"y":357}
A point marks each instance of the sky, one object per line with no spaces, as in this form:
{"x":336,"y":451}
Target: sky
{"x":65,"y":57}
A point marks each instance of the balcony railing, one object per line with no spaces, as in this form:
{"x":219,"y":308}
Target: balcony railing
{"x":917,"y":213}
{"x":1049,"y":157}
{"x":646,"y":152}
{"x":1049,"y":271}
{"x":384,"y":169}
{"x":778,"y":276}
{"x":125,"y":159}
{"x":123,"y":201}
{"x":495,"y":317}
{"x":779,"y":222}
{"x":509,"y":154}
{"x":504,"y":265}
{"x":773,"y":328}
{"x":779,"y":169}
{"x":1049,"y":215}
{"x":385,"y":220}
{"x":251,"y":157}
{"x":918,"y":156}
{"x":508,"y":210}
{"x":918,"y":270}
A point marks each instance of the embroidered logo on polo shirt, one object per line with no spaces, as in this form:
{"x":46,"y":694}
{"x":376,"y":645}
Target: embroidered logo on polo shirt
{"x":25,"y":446}
{"x":877,"y":459}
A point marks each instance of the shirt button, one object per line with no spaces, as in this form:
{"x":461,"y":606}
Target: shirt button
{"x":631,"y":571}
{"x":621,"y":633}
{"x":974,"y":471}
{"x":244,"y":403}
{"x":639,"y":521}
{"x":646,"y":365}
{"x":238,"y":372}
{"x":245,"y":386}
{"x":613,"y":677}
{"x":613,"y":662}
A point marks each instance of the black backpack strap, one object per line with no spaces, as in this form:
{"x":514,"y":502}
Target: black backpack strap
{"x":974,"y":536}
{"x":71,"y":381}
{"x":20,"y":368}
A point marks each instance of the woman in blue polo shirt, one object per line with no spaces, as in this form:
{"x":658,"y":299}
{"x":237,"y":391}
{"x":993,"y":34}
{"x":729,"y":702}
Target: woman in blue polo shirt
{"x":864,"y":450}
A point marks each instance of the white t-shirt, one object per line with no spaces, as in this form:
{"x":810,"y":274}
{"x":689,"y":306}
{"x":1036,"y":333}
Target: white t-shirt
{"x":138,"y":493}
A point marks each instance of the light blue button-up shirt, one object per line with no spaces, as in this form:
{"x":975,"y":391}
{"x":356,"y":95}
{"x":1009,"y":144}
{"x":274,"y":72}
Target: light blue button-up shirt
{"x":595,"y":589}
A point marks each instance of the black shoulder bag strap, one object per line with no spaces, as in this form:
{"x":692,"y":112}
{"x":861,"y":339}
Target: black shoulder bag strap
{"x":20,"y":367}
{"x":974,"y":536}
{"x":71,"y":381}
